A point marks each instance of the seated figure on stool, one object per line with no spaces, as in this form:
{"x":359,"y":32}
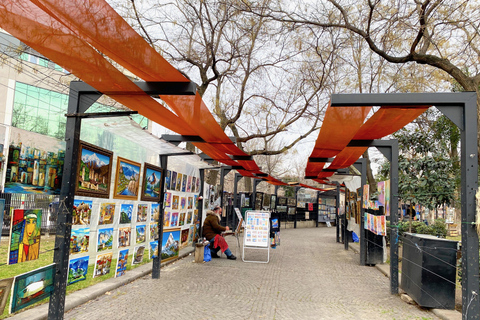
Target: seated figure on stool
{"x":212,"y":232}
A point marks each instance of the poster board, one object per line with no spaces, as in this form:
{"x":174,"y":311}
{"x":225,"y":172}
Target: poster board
{"x":257,"y":230}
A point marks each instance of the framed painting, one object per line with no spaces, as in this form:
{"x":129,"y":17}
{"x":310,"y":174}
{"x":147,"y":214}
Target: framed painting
{"x":103,"y":263}
{"x":79,"y":240}
{"x":189,"y":217}
{"x":127,"y":179}
{"x":181,"y":219}
{"x":151,"y":188}
{"x":126,"y":211}
{"x":77,"y":270}
{"x":31,"y":287}
{"x":170,"y":244}
{"x":82,"y":212}
{"x":190,"y":203}
{"x":184,"y":238}
{"x":121,"y":263}
{"x":174,"y":219}
{"x":183,"y":203}
{"x":94,"y":171}
{"x":25,"y":230}
{"x":5,"y":286}
{"x":138,"y":254}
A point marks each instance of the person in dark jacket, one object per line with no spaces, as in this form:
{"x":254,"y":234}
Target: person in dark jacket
{"x":212,"y":228}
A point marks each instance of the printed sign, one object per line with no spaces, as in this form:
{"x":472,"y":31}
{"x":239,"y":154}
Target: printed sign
{"x":257,"y":229}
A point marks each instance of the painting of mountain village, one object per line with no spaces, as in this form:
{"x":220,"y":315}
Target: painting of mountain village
{"x":155,"y":212}
{"x":77,"y":269}
{"x":124,"y":235}
{"x":103,"y":264}
{"x":127,"y":179}
{"x":79,"y":240}
{"x":170,"y":244}
{"x":140,"y":234}
{"x":82,"y":212}
{"x":142,"y":212}
{"x":152,"y":176}
{"x":126,"y":211}
{"x":122,"y":263}
{"x":105,"y":239}
{"x":107,"y":213}
{"x":94,"y":171}
{"x":153,"y":249}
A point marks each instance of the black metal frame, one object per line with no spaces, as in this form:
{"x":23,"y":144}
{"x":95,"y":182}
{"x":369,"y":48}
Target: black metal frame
{"x":461,"y":109}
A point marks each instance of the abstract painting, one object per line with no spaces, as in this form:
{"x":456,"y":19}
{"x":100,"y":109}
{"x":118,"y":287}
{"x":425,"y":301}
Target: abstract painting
{"x":155,"y":212}
{"x":82,"y":212}
{"x":77,"y":269}
{"x":25,"y":235}
{"x":126,"y":212}
{"x":170,"y":244}
{"x":105,"y":239}
{"x":127,"y":179}
{"x":107,"y":213}
{"x":94,"y":171}
{"x":79,"y":240}
{"x":31,"y":287}
{"x":153,"y":249}
{"x":140,"y":234}
{"x":142,"y":212}
{"x":121,"y":263}
{"x":124,"y":236}
{"x":138,"y":253}
{"x":103,"y":263}
{"x":151,"y":188}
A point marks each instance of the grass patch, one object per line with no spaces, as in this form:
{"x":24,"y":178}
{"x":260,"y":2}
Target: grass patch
{"x":45,"y":258}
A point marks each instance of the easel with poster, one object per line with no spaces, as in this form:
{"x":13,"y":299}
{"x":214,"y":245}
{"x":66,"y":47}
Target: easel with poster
{"x":257,"y":231}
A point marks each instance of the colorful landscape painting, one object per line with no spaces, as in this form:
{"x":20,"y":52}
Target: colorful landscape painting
{"x":175,"y":203}
{"x":170,"y":244}
{"x":181,"y":219}
{"x":168,"y":177}
{"x":127,"y":179}
{"x":79,"y":240}
{"x":124,"y":236}
{"x":94,"y":171}
{"x":82,"y":212}
{"x":153,"y":249}
{"x":103,"y":263}
{"x":152,"y":177}
{"x":142,"y":212}
{"x":140,"y":234}
{"x":77,"y":269}
{"x":31,"y":287}
{"x":174,"y":219}
{"x":107,"y":213}
{"x":5,"y":286}
{"x":189,"y":217}
{"x":105,"y":239}
{"x":155,"y":212}
{"x":126,"y":211}
{"x":153,"y":230}
{"x":122,"y":263}
{"x":138,"y":253}
{"x":25,"y":235}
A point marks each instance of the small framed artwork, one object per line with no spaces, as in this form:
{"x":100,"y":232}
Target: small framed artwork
{"x":151,"y":188}
{"x":94,"y":171}
{"x":127,"y":179}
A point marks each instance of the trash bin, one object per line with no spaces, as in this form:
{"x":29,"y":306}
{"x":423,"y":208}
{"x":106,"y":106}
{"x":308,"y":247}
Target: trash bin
{"x":429,"y":270}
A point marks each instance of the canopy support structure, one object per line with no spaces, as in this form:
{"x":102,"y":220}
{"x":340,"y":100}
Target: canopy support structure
{"x":361,"y":165}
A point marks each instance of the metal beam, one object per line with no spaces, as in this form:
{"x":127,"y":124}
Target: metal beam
{"x":176,"y":139}
{"x":337,"y":206}
{"x":167,"y":88}
{"x":313,"y":159}
{"x":101,"y":114}
{"x":157,"y":262}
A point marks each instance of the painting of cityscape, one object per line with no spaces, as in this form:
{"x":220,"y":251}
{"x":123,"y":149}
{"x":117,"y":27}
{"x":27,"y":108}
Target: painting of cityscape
{"x":105,"y":239}
{"x":170,"y":244}
{"x":25,"y":235}
{"x":122,"y":263}
{"x":79,"y":240}
{"x":31,"y":287}
{"x":140,"y":234}
{"x":127,"y":179}
{"x":103,"y":263}
{"x":142,"y":212}
{"x":94,"y":171}
{"x":126,"y":211}
{"x":138,"y":253}
{"x":77,"y":269}
{"x":152,"y":177}
{"x":82,"y":212}
{"x":124,"y":235}
{"x":107,"y":213}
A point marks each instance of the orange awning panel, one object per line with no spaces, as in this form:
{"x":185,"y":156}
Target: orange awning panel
{"x":347,"y":157}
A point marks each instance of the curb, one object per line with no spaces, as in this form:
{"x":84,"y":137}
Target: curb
{"x":82,"y":296}
{"x":441,"y":313}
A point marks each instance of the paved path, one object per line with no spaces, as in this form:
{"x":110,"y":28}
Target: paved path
{"x":309,"y":277}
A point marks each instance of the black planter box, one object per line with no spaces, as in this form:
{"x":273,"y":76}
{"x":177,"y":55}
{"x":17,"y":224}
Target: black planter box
{"x":429,"y":270}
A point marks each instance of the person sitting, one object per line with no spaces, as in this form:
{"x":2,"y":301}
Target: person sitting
{"x":212,"y":231}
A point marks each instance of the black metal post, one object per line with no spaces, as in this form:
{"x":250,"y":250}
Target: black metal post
{"x":200,"y":201}
{"x":237,"y":178}
{"x":316,"y":223}
{"x":345,"y":231}
{"x":363,"y":241}
{"x":157,"y":262}
{"x":81,"y":97}
{"x":337,"y":206}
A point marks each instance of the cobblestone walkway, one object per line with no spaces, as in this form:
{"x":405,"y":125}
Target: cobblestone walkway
{"x":309,"y":277}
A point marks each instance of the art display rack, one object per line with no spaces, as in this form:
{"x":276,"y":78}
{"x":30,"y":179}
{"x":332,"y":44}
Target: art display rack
{"x":257,"y":233}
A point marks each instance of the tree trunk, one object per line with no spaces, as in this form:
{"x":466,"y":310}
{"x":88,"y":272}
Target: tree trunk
{"x":370,"y":177}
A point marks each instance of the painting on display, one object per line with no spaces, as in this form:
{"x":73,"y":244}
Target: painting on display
{"x":175,"y":203}
{"x":103,"y":263}
{"x":179,"y":182}
{"x":194,"y":182}
{"x":197,"y":185}
{"x":174,"y":219}
{"x":190,"y":203}
{"x":107,"y":213}
{"x":25,"y":235}
{"x":77,"y":269}
{"x":105,"y":239}
{"x":181,"y":219}
{"x":152,"y":177}
{"x":387,"y":198}
{"x":126,"y":212}
{"x":124,"y":236}
{"x":155,"y":212}
{"x":127,"y":179}
{"x":168,"y":177}
{"x":189,"y":184}
{"x":196,"y":235}
{"x":140,"y":231}
{"x":142,"y":212}
{"x":189,"y":217}
{"x":184,"y":183}
{"x":138,"y":253}
{"x":153,"y":249}
{"x":153,"y":230}
{"x":79,"y":240}
{"x":94,"y":171}
{"x":183,"y":203}
{"x":173,"y":181}
{"x":82,"y":212}
{"x":31,"y":287}
{"x":195,"y":216}
{"x":195,"y":202}
{"x":122,"y":261}
{"x":190,"y":233}
{"x":366,"y":196}
{"x":168,"y":199}
{"x":170,"y":244}
{"x":166,"y":219}
{"x":5,"y":287}
{"x":184,"y":238}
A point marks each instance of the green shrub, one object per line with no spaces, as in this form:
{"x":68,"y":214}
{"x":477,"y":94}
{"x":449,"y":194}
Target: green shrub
{"x":438,"y":228}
